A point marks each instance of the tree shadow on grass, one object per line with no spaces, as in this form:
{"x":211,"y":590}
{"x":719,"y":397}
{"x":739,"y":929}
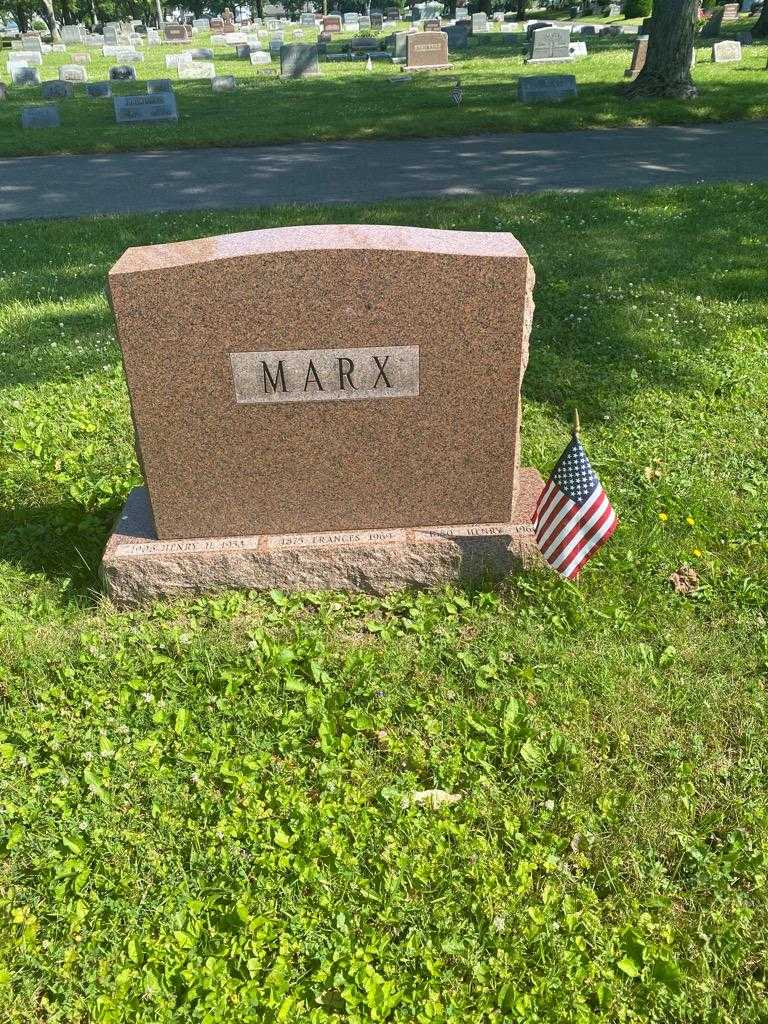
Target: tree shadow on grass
{"x":60,"y":541}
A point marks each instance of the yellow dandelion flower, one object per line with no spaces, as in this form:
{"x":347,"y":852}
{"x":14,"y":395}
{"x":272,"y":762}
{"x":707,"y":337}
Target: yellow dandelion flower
{"x":690,"y":520}
{"x":663,"y":517}
{"x":697,"y":553}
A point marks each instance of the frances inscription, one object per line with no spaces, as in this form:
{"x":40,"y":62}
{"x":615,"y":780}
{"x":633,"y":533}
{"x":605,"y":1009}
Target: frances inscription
{"x":334,"y":374}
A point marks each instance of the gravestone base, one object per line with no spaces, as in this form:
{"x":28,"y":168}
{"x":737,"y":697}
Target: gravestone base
{"x":138,"y":568}
{"x":551,"y":60}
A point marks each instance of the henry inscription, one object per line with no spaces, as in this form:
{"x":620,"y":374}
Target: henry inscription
{"x":333,"y":374}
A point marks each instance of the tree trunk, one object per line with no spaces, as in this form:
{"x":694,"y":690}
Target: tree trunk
{"x":521,"y":6}
{"x":52,"y":23}
{"x":159,"y":15}
{"x":667,"y":71}
{"x":760,"y":28}
{"x":21,"y":19}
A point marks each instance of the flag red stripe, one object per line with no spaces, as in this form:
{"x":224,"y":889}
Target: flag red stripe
{"x":581,"y":529}
{"x":578,"y":521}
{"x":597,"y":542}
{"x":545,"y":493}
{"x":561,"y":511}
{"x":552,"y":499}
{"x":584,"y":541}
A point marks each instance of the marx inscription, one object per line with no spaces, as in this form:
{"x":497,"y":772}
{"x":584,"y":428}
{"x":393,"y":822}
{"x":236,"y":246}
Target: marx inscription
{"x":322,"y":375}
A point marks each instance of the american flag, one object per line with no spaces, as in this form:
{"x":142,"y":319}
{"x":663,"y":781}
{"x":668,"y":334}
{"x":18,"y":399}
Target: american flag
{"x":573,"y":516}
{"x":457,"y":94}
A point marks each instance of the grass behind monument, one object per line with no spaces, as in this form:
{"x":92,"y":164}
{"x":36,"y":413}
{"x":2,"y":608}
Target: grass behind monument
{"x":201,"y":803}
{"x":346,"y":102}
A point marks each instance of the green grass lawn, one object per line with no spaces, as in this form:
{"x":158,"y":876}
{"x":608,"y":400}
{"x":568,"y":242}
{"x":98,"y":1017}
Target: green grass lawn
{"x":347,"y":102}
{"x":202,"y":803}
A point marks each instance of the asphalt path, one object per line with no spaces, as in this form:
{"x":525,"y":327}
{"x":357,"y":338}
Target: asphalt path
{"x":339,"y":172}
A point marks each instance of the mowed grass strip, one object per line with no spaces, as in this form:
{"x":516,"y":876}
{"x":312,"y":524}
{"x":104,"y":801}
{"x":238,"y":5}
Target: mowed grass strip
{"x":204,"y":809}
{"x":347,"y":102}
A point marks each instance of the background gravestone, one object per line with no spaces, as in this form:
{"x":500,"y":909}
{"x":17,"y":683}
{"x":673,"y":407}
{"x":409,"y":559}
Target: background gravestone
{"x":426,"y":50}
{"x":712,"y":27}
{"x":280,"y":420}
{"x":458,"y":37}
{"x":223,"y":83}
{"x":549,"y":45}
{"x":73,"y":73}
{"x":727,"y":51}
{"x":25,"y":76}
{"x":160,"y":106}
{"x":546,"y":88}
{"x":639,"y":53}
{"x":299,"y":60}
{"x":197,"y":69}
{"x":479,"y":23}
{"x":122,"y":73}
{"x":57,"y":90}
{"x":155,"y":85}
{"x":98,"y":90}
{"x":40,"y":117}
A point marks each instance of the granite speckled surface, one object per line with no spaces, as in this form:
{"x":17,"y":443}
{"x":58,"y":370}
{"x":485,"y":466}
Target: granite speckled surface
{"x":218,"y":468}
{"x":137,"y":568}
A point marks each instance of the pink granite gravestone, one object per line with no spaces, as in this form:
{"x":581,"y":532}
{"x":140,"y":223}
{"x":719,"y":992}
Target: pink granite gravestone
{"x":366,"y":394}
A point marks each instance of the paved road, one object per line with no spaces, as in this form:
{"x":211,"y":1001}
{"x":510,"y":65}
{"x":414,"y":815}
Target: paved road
{"x":73,"y":186}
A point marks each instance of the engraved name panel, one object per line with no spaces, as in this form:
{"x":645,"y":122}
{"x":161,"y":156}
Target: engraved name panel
{"x":326,"y":374}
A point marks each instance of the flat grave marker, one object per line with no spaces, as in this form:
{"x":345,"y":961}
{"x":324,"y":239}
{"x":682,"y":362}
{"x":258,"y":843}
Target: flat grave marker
{"x":546,"y":88}
{"x":159,"y":106}
{"x":40,"y":117}
{"x":299,"y":60}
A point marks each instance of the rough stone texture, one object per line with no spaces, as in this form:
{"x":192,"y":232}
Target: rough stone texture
{"x":216,"y":467}
{"x":639,"y":54}
{"x":137,"y":568}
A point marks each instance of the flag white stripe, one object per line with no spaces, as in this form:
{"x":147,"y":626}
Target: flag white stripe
{"x":581,"y":534}
{"x":544,"y":496}
{"x":553,"y":524}
{"x":552,"y":503}
{"x":553,"y":545}
{"x":583,"y":554}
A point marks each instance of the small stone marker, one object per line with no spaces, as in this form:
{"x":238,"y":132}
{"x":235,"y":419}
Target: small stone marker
{"x":98,"y":90}
{"x":426,"y":50}
{"x":730,"y":12}
{"x":377,"y":22}
{"x":462,"y":13}
{"x":3,"y":91}
{"x":81,"y":58}
{"x":197,"y":69}
{"x":204,"y":53}
{"x":261,"y":57}
{"x":173,"y":60}
{"x":155,"y":85}
{"x":243,"y":51}
{"x":27,"y":58}
{"x":479,"y":23}
{"x":726,"y":52}
{"x":159,"y":106}
{"x":24,"y":75}
{"x":40,"y":117}
{"x":58,"y":90}
{"x":549,"y":46}
{"x":386,"y":432}
{"x":639,"y":54}
{"x":307,"y":19}
{"x":546,"y":88}
{"x":299,"y":60}
{"x":73,"y":73}
{"x":332,"y":23}
{"x":73,"y":34}
{"x":223,"y":83}
{"x":122,"y":73}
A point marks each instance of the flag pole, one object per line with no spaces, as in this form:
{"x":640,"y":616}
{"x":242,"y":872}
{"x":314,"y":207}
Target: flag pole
{"x":576,"y":424}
